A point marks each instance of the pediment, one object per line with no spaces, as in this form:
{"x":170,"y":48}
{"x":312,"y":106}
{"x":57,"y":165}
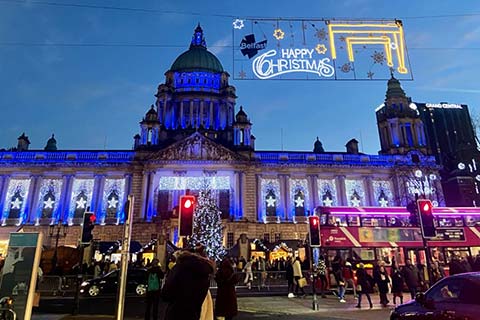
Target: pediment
{"x":197,"y":147}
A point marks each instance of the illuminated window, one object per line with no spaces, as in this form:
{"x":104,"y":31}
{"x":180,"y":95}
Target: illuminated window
{"x":230,"y":242}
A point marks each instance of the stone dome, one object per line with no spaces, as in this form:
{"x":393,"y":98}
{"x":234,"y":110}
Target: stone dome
{"x":197,"y":57}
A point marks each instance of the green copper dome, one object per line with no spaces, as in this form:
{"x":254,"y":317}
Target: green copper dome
{"x":197,"y":58}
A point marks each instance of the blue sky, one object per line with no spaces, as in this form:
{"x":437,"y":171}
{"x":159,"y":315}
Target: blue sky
{"x":92,"y":97}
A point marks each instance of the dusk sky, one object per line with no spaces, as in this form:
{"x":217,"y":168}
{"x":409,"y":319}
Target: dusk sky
{"x":88,"y":74}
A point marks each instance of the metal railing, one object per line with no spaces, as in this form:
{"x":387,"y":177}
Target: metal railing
{"x":59,"y":285}
{"x":14,"y":314}
{"x":261,"y":280}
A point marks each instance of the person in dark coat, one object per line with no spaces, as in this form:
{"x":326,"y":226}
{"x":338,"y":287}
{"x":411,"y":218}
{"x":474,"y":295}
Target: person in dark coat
{"x":226,"y":303}
{"x":412,"y":277}
{"x":455,"y":266}
{"x":186,"y":287}
{"x":364,"y":285}
{"x":397,"y":284}
{"x":289,"y":276}
{"x":382,"y":283}
{"x":153,"y":294}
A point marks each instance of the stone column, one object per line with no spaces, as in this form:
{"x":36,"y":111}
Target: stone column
{"x":144,"y":197}
{"x":238,"y":206}
{"x":211,"y":121}
{"x":342,"y":192}
{"x":261,"y":215}
{"x":64,"y":204}
{"x":369,"y":193}
{"x":98,"y":197}
{"x":191,"y":114}
{"x":182,"y":117}
{"x":313,"y":189}
{"x":284,"y":193}
{"x":32,"y":215}
{"x":3,"y":193}
{"x":201,"y":120}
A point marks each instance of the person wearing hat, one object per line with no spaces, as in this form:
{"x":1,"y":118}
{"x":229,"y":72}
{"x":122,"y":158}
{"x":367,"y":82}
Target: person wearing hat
{"x":348,"y":277}
{"x":364,"y":286}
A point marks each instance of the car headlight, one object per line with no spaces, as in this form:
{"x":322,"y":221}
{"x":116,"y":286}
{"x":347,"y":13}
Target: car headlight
{"x":84,"y":284}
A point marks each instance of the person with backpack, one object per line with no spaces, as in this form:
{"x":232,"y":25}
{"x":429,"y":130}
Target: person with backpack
{"x":364,"y":285}
{"x":154,"y":278}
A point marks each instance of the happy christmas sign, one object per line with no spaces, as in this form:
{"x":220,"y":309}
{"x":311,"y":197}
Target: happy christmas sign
{"x":293,"y":49}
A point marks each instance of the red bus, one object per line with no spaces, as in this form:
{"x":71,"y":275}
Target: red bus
{"x":385,"y":233}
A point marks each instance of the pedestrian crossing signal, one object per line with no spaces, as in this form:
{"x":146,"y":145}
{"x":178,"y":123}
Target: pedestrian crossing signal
{"x":314,"y":228}
{"x":425,"y":208}
{"x":185,"y":216}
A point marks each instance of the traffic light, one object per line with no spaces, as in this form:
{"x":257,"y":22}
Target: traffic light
{"x":185,"y":216}
{"x":412,"y":208}
{"x":425,"y":208}
{"x":87,"y":227}
{"x":314,"y":227}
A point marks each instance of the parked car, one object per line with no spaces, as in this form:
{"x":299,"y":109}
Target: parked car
{"x":454,"y":297}
{"x":108,"y":284}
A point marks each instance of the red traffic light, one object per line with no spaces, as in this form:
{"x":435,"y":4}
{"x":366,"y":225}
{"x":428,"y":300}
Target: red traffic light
{"x":425,"y":206}
{"x":186,"y":210}
{"x":93,"y":218}
{"x":314,"y":231}
{"x":427,"y":221}
{"x":187,"y":204}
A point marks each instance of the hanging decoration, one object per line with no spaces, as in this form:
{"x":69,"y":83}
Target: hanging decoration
{"x":320,"y":49}
{"x":80,"y":201}
{"x":299,"y":197}
{"x":355,"y":192}
{"x":48,"y":200}
{"x":382,"y":193}
{"x":15,"y":201}
{"x":193,"y":183}
{"x":271,"y":196}
{"x":327,"y":192}
{"x":113,"y":199}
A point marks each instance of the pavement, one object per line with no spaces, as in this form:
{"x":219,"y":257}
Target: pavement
{"x":278,"y":307}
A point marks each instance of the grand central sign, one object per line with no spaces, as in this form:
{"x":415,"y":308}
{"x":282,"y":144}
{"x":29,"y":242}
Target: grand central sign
{"x":297,"y":49}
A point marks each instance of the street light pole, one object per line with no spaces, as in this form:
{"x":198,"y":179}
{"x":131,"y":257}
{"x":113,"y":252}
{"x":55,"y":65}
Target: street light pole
{"x":55,"y":229}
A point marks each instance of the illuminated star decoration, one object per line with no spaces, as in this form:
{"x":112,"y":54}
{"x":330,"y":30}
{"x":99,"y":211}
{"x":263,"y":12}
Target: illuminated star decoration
{"x":299,"y":202}
{"x":112,"y":203}
{"x":16,"y":203}
{"x":238,"y":24}
{"x":320,"y":48}
{"x":355,"y":202}
{"x":270,"y":201}
{"x":383,"y":202}
{"x":278,"y":34}
{"x":81,"y":203}
{"x":242,"y":74}
{"x":49,"y":203}
{"x":327,"y":202}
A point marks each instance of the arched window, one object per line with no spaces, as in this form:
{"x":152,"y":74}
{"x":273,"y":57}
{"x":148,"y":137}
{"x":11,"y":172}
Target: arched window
{"x":80,"y":205}
{"x":48,"y":204}
{"x":327,"y":199}
{"x":299,"y":203}
{"x":271,"y":203}
{"x":382,"y":199}
{"x":112,"y":204}
{"x":16,"y":203}
{"x":149,"y":136}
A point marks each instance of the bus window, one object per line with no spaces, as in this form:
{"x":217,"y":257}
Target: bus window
{"x":374,"y":222}
{"x":450,"y":222}
{"x":437,"y":254}
{"x":398,"y":221}
{"x":364,"y":254}
{"x":354,"y":221}
{"x":339,"y":221}
{"x":459,"y":252}
{"x":388,"y":255}
{"x":472,"y":221}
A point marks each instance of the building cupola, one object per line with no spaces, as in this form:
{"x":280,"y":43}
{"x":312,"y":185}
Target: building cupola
{"x":399,"y":125}
{"x":51,"y":144}
{"x":242,"y":131}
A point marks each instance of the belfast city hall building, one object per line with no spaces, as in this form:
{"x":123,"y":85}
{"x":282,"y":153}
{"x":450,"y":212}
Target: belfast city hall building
{"x":195,"y":131}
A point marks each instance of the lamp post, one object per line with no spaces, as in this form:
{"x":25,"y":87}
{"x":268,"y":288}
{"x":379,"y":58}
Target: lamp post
{"x":57,"y":230}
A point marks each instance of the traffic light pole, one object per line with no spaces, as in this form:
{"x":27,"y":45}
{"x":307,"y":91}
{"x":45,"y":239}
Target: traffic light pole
{"x":127,"y":235}
{"x":425,"y":244}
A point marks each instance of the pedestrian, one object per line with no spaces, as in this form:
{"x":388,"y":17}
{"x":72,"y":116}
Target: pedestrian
{"x":97,"y":270}
{"x":297,"y":275}
{"x":262,"y":268}
{"x":322,"y":275}
{"x":112,"y":266}
{"x":186,"y":287}
{"x":348,"y":277}
{"x":437,"y":272}
{"x":382,"y":283}
{"x":289,"y":276}
{"x":248,"y":274}
{"x":337,"y":266}
{"x":412,"y":277}
{"x":397,"y":284}
{"x":364,"y":285}
{"x":226,"y":303}
{"x":154,"y":276}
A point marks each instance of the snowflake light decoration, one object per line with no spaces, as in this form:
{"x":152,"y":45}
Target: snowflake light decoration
{"x":327,"y":186}
{"x":242,"y":74}
{"x":278,"y":34}
{"x":238,"y":24}
{"x":370,"y":74}
{"x":320,"y":48}
{"x":378,"y":57}
{"x":321,"y":34}
{"x":346,"y":68}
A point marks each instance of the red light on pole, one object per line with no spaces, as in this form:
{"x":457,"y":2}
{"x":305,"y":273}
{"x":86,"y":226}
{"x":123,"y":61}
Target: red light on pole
{"x":314,"y":231}
{"x":185,"y":216}
{"x":427,"y":221}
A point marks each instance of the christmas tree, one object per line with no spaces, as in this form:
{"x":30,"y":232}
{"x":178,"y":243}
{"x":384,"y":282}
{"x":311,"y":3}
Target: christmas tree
{"x":207,"y":224}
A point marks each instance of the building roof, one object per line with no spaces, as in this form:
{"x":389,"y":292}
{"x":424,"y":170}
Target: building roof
{"x":197,"y":57}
